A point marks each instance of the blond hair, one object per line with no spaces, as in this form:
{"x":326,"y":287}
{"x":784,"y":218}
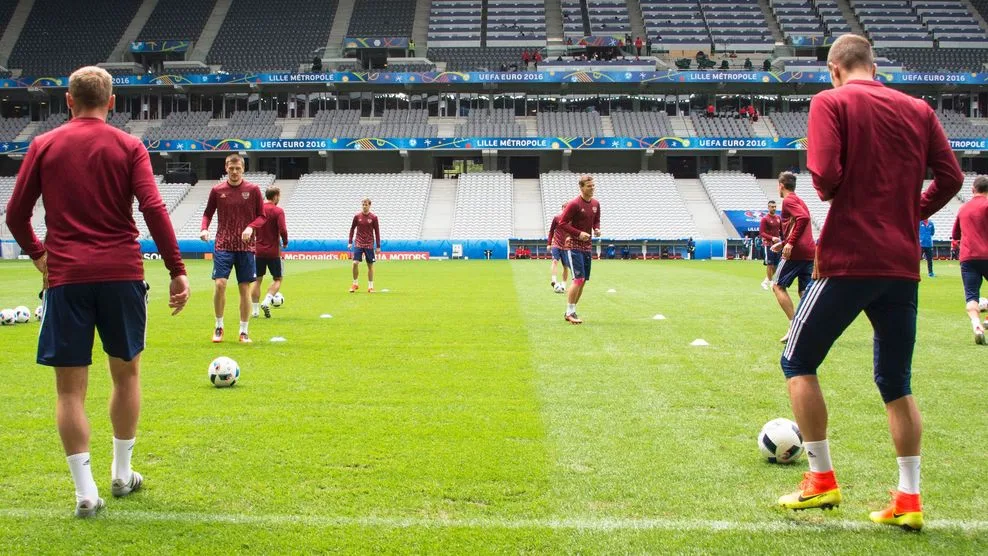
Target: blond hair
{"x":234,"y":156}
{"x":91,"y":87}
{"x":851,"y":52}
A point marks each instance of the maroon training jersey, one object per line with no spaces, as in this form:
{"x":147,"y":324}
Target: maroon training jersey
{"x":770,"y":227}
{"x":367,"y":228}
{"x":580,"y":216}
{"x":87,"y":174}
{"x":239,"y":206}
{"x":868,"y":150}
{"x":971,"y":227}
{"x":796,"y":228}
{"x":273,"y":234}
{"x":557,"y":237}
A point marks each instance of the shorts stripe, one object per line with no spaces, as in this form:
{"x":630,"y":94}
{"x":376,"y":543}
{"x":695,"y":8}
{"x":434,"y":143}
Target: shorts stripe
{"x":569,"y":255}
{"x":778,"y":271}
{"x":805,"y":306}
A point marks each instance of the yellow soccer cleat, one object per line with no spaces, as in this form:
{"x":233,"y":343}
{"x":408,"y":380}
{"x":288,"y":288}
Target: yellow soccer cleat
{"x":906,"y":511}
{"x":818,"y":490}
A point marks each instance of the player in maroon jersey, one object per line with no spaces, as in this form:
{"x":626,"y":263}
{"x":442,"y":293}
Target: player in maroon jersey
{"x":558,"y":241}
{"x":797,"y":247}
{"x":241,"y":211}
{"x":271,"y":238}
{"x":770,"y":230}
{"x":971,"y":228}
{"x":581,"y":221}
{"x":367,"y":227}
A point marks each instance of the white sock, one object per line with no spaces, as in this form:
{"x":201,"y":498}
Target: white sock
{"x":976,"y":323}
{"x":82,"y":475}
{"x":257,"y":307}
{"x":370,"y":284}
{"x":122,"y":450}
{"x":908,"y":474}
{"x":268,"y":299}
{"x":818,"y":454}
{"x":355,"y":283}
{"x":243,"y":327}
{"x":570,"y":308}
{"x":219,"y":322}
{"x":554,"y":280}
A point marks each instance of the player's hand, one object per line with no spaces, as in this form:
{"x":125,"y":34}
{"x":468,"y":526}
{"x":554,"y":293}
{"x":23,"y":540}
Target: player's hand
{"x":178,"y":293}
{"x":204,"y":235}
{"x":596,"y":232}
{"x":786,"y":251}
{"x":284,"y":245}
{"x":41,"y":263}
{"x":349,"y":247}
{"x":584,"y":236}
{"x":247,"y":234}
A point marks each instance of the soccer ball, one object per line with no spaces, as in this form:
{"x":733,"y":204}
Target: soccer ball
{"x":559,"y":288}
{"x":22,"y":314}
{"x":983,"y":304}
{"x":7,"y":317}
{"x":223,"y":372}
{"x":278,"y":300}
{"x":39,"y":312}
{"x":780,"y":441}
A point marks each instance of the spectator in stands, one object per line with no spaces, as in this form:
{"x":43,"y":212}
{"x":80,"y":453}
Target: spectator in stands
{"x":638,"y":47}
{"x":411,"y":48}
{"x":724,"y":65}
{"x":926,"y":231}
{"x":648,"y":46}
{"x":317,"y":64}
{"x":525,"y":58}
{"x":711,"y":111}
{"x":743,"y":112}
{"x":627,"y":40}
{"x":747,"y":64}
{"x":752,"y":113}
{"x":767,"y":65}
{"x":537,"y":58}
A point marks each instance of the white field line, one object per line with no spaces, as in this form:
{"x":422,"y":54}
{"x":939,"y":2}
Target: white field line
{"x":575,"y":524}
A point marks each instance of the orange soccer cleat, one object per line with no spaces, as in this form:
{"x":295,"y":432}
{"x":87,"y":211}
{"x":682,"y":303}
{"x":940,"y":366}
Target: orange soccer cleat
{"x":818,"y":490}
{"x":906,"y":511}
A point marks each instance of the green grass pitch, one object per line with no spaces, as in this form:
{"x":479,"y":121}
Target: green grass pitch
{"x":459,"y":413}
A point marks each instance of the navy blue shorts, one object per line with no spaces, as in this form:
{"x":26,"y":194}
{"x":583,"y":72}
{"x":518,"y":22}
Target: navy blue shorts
{"x":560,"y":255}
{"x":579,"y":263}
{"x":772,"y":259}
{"x":832,"y":304}
{"x":71,"y":313}
{"x":360,"y":252}
{"x":243,"y":261}
{"x":788,"y":271}
{"x":972,"y":273}
{"x":274,"y":265}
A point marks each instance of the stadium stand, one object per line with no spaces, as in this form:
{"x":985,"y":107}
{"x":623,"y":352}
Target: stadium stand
{"x":256,"y":35}
{"x":833,"y":18}
{"x":477,"y":59}
{"x":244,"y":124}
{"x":6,"y":190}
{"x":483,"y":207}
{"x":323,"y":203}
{"x":641,"y":124}
{"x":675,"y":24}
{"x":737,"y":25}
{"x":332,"y":123}
{"x":632,"y":206}
{"x":959,"y":127}
{"x":734,"y":191}
{"x":499,"y":122}
{"x":798,"y":18}
{"x":609,"y":17}
{"x":721,"y":126}
{"x":569,"y":124}
{"x":574,"y":26}
{"x":179,"y":125}
{"x":965,"y":193}
{"x":7,"y":8}
{"x":49,"y":124}
{"x":790,"y":124}
{"x":119,"y":120}
{"x":382,"y":18}
{"x":982,"y":7}
{"x":938,"y":59}
{"x":172,"y":194}
{"x":516,"y":23}
{"x":891,"y":24}
{"x":818,"y":209}
{"x":397,"y":65}
{"x":951,"y":22}
{"x":10,"y":128}
{"x":176,"y":19}
{"x":60,"y":36}
{"x":454,"y":23}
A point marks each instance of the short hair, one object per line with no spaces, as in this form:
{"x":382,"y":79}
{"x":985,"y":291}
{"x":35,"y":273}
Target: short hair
{"x":585,"y":178}
{"x":91,"y":87}
{"x":564,"y":205}
{"x":272,"y":192}
{"x":981,"y":185}
{"x":233,"y":157}
{"x":369,"y":202}
{"x":771,"y":202}
{"x":850,"y":52}
{"x":788,"y":180}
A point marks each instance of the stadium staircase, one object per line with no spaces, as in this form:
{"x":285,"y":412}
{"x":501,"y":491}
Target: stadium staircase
{"x":14,"y":28}
{"x":420,"y":27}
{"x":290,"y":126}
{"x":554,"y":22}
{"x":138,"y":127}
{"x":28,"y":132}
{"x":341,"y":22}
{"x":762,"y":128}
{"x":527,"y":206}
{"x":483,"y":22}
{"x":187,"y":209}
{"x":852,"y":19}
{"x":210,"y":30}
{"x":438,"y":220}
{"x":978,"y":16}
{"x":710,"y":224}
{"x":288,"y":188}
{"x":607,"y":125}
{"x":122,"y":50}
{"x":585,"y":11}
{"x":773,"y":23}
{"x":682,"y":126}
{"x":637,"y":22}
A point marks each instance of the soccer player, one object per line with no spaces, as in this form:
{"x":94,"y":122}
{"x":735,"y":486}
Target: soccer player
{"x":88,"y":174}
{"x":770,"y":230}
{"x":926,"y":231}
{"x":868,"y":151}
{"x":797,"y":248}
{"x":971,"y":229}
{"x":580,"y":218}
{"x":557,"y":246}
{"x":368,"y":230}
{"x":268,"y":251}
{"x":241,"y":211}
